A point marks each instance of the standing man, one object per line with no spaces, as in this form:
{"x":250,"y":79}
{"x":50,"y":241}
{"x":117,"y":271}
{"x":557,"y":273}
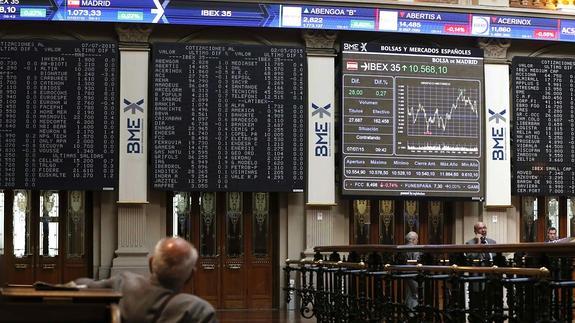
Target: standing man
{"x":480,"y":230}
{"x":411,"y":286}
{"x":159,"y":298}
{"x":478,"y":301}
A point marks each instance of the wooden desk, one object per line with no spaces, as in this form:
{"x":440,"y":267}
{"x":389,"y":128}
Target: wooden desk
{"x":25,"y":304}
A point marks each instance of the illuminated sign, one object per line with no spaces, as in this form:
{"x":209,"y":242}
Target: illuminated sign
{"x":412,"y":122}
{"x":190,"y":12}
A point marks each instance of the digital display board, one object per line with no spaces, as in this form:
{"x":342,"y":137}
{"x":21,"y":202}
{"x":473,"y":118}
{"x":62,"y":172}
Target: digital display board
{"x":228,"y":118}
{"x":58,"y":122}
{"x":426,"y":22}
{"x":275,"y":15}
{"x":412,"y":121}
{"x":543,"y":132}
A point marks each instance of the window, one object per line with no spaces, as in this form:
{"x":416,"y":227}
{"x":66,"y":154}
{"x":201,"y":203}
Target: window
{"x":181,"y":204}
{"x":234,"y":224}
{"x":552,"y":216}
{"x":76,"y":224}
{"x":362,"y":221}
{"x":529,"y":219}
{"x":36,"y":222}
{"x":208,"y":225}
{"x":260,"y":224}
{"x":386,"y":221}
{"x":48,"y":224}
{"x":570,"y":217}
{"x":540,"y":213}
{"x":21,"y":223}
{"x":411,"y":215}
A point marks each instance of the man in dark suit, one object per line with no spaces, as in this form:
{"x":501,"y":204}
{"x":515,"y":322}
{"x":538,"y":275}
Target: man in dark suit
{"x":480,"y":230}
{"x":477,"y":298}
{"x":158,"y":298}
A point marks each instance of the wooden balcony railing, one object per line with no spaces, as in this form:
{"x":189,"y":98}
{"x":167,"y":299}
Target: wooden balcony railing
{"x":529,"y":282}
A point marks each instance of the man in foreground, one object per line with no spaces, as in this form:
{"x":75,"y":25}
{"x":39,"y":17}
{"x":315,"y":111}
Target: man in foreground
{"x":158,"y":298}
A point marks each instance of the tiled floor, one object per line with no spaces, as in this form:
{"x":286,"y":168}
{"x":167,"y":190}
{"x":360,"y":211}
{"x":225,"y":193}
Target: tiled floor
{"x":272,"y":316}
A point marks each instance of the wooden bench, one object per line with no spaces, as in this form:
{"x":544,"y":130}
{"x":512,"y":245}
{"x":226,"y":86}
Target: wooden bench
{"x":25,"y":304}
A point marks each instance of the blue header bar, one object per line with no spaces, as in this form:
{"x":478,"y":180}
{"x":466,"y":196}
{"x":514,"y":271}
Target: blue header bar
{"x":191,"y":12}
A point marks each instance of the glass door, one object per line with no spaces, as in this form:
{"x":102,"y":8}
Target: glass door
{"x":44,"y":236}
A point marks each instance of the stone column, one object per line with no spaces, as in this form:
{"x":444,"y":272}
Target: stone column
{"x":132,"y":252}
{"x":324,"y":224}
{"x":502,"y":221}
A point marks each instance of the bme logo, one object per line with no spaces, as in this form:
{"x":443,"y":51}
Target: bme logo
{"x":322,"y":130}
{"x":356,"y":47}
{"x":73,"y":3}
{"x":498,"y":135}
{"x":134,"y":126}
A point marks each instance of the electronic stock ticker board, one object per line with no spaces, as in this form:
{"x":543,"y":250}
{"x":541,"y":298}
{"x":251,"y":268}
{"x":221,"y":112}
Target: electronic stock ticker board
{"x":228,"y":118}
{"x":543,"y":132}
{"x":412,"y":121}
{"x":58,"y":122}
{"x":292,"y":15}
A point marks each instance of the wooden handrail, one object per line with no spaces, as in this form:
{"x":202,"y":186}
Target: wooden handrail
{"x":331,"y":264}
{"x":529,"y":272}
{"x":561,"y":248}
{"x":535,"y":272}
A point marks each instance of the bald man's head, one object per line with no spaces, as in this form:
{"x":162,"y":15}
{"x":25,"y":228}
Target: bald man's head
{"x":173,"y":261}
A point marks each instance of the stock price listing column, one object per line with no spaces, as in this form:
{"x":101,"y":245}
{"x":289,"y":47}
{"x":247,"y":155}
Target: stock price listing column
{"x":543,"y":132}
{"x":228,"y":118}
{"x":57,"y":122}
{"x":412,"y":121}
